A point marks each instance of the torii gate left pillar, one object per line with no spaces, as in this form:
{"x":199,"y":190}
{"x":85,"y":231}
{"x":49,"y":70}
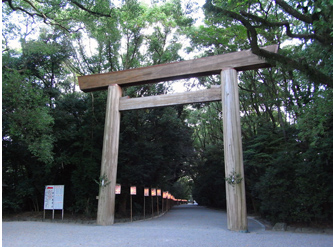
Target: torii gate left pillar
{"x":106,"y":198}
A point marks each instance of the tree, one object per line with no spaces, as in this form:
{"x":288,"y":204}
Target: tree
{"x":274,"y":104}
{"x":304,"y":21}
{"x":61,"y":15}
{"x":52,"y":61}
{"x":27,"y":138}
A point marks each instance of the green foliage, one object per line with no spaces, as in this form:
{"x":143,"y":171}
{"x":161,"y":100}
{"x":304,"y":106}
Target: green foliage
{"x":154,"y":147}
{"x":47,"y":121}
{"x":26,"y":115}
{"x":182,"y":189}
{"x":79,"y":129}
{"x":284,"y":121}
{"x":209,"y":182}
{"x":267,"y":22}
{"x":53,"y":134}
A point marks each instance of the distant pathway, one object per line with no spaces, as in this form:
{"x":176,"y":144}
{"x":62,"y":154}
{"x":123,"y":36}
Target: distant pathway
{"x":183,"y":226}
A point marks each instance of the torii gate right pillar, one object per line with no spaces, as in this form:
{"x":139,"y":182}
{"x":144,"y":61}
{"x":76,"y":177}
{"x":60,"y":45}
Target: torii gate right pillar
{"x":233,"y":153}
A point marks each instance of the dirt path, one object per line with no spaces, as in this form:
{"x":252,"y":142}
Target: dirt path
{"x":185,"y":225}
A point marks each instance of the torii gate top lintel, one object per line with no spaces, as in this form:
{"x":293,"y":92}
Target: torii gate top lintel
{"x":240,"y":61}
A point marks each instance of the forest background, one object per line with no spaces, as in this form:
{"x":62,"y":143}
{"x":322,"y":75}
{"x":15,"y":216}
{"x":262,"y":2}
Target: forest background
{"x":52,"y":132}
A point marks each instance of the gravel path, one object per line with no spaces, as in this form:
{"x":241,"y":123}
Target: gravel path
{"x":185,"y":225}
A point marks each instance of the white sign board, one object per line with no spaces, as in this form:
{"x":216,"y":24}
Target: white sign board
{"x":54,"y":197}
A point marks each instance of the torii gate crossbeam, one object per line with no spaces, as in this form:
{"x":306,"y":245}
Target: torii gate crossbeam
{"x":227,"y":65}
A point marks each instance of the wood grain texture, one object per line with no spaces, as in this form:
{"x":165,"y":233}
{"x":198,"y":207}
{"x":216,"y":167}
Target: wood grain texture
{"x":233,"y":153}
{"x":207,"y":95}
{"x":106,"y":198}
{"x":242,"y":60}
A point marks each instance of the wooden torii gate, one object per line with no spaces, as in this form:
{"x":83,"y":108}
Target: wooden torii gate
{"x":227,"y":65}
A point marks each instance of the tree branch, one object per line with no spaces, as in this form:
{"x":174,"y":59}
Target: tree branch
{"x":323,"y":40}
{"x":10,"y":3}
{"x":90,"y":11}
{"x":49,"y":20}
{"x":290,"y":10}
{"x":311,"y":72}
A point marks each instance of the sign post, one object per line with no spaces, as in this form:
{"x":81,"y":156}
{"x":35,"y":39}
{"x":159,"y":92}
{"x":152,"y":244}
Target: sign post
{"x":54,"y":199}
{"x":157,"y":203}
{"x":163,"y":197}
{"x":153,"y":193}
{"x":145,"y":193}
{"x":132,"y":192}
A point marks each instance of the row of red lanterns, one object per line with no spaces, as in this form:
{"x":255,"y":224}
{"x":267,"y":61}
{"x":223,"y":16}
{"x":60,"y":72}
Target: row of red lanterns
{"x":154,"y":192}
